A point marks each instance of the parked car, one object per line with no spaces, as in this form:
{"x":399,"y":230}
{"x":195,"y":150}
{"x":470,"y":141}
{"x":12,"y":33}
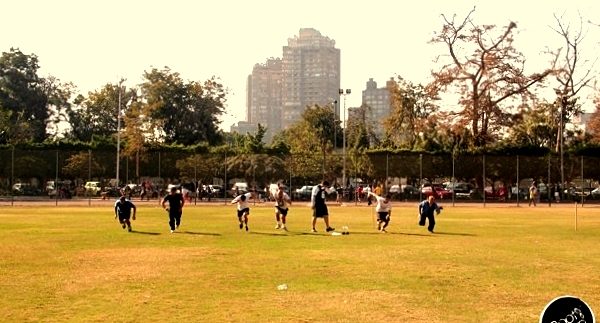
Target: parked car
{"x":500,"y":193}
{"x":62,"y":188}
{"x":239,"y":188}
{"x":437,"y":190}
{"x":595,"y":193}
{"x":403,"y":192}
{"x":92,"y":188}
{"x":211,"y":191}
{"x":25,"y":189}
{"x":304,"y":192}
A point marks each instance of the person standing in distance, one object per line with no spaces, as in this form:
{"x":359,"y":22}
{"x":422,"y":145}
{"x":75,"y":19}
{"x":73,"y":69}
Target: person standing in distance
{"x":533,"y":193}
{"x":175,"y":209}
{"x":383,"y":209}
{"x":243,"y":208}
{"x":123,"y":212}
{"x":426,"y":210}
{"x":319,"y":206}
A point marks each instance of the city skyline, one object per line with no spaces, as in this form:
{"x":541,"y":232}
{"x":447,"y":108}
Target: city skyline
{"x":94,"y":43}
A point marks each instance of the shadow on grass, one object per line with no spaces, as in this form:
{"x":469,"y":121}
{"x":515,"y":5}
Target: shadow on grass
{"x":454,"y":234}
{"x":198,"y":233}
{"x":144,"y":232}
{"x":272,"y":233}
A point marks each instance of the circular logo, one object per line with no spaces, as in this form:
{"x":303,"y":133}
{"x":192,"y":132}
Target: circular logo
{"x":567,"y":309}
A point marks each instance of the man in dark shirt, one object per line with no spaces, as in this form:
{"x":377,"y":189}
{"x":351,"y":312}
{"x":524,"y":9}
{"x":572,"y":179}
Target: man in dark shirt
{"x":319,"y":206}
{"x":176,"y":203}
{"x":123,"y":212}
{"x":426,"y":209}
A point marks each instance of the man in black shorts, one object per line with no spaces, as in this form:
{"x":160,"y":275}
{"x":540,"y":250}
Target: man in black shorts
{"x":176,"y":203}
{"x":319,"y":207}
{"x":123,"y":212}
{"x":243,"y":208}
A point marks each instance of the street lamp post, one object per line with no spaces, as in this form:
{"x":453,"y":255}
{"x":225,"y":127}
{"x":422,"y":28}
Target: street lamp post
{"x":344,"y":93}
{"x":335,"y":125}
{"x":118,"y":133}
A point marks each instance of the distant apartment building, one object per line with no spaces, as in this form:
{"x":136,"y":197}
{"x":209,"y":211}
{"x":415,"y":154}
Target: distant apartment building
{"x":379,"y":102}
{"x":244,"y":127}
{"x":264,"y":91}
{"x":279,"y":90}
{"x":311,"y":74}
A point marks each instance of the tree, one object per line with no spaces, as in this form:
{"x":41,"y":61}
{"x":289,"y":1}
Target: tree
{"x":310,"y":143}
{"x":183,"y":113}
{"x":568,"y":75}
{"x":593,"y":126}
{"x":59,"y":96}
{"x":96,"y":115}
{"x":487,"y":71}
{"x":411,"y":105}
{"x":359,"y":130}
{"x":23,"y":103}
{"x":534,"y":126}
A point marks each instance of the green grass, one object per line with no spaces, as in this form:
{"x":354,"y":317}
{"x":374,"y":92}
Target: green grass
{"x":493,"y":264}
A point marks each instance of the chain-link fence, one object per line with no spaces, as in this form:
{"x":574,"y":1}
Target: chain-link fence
{"x":408,"y":176}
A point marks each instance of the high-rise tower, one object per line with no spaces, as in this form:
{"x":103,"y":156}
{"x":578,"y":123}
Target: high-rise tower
{"x":311,"y":74}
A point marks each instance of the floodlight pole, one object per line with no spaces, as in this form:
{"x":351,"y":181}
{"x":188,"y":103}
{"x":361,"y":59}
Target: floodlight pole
{"x":344,"y":93}
{"x":118,"y":134}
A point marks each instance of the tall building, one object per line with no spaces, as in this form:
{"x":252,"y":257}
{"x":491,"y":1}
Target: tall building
{"x":279,"y":90}
{"x":311,"y":74}
{"x":379,"y":102}
{"x":264,"y":96}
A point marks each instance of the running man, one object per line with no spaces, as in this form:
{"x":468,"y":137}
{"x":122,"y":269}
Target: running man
{"x":123,"y":212}
{"x":175,"y":209}
{"x":282,"y":202}
{"x":243,"y":208}
{"x":426,"y":209}
{"x":383,"y":209}
{"x":319,"y":206}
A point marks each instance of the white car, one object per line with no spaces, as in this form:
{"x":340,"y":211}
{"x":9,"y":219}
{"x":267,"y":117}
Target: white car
{"x":92,"y":188}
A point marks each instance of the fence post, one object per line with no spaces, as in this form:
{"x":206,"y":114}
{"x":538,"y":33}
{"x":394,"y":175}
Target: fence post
{"x":484,"y":181}
{"x":90,"y":176}
{"x":518,"y":187}
{"x":225,"y":187}
{"x":56,"y":191}
{"x":196,"y":179}
{"x":387,"y":171}
{"x":420,"y":177}
{"x":548,"y":184}
{"x":12,"y":176}
{"x":453,"y":181}
{"x":582,"y":183}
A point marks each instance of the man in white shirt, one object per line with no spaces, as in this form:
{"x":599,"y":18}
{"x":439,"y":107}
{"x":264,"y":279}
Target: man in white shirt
{"x":243,"y":208}
{"x":383,"y":209}
{"x":282,"y":202}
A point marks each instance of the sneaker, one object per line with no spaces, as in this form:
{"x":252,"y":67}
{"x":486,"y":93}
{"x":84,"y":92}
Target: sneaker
{"x":284,"y":228}
{"x":313,"y":230}
{"x":329,"y":229}
{"x":277,"y":226}
{"x":246,"y":228}
{"x":123,"y":225}
{"x":431,"y":231}
{"x":383,"y":231}
{"x":129,"y":229}
{"x":172,"y":231}
{"x":177,"y":227}
{"x":241,"y":225}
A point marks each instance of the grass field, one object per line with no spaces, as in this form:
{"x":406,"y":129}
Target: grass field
{"x":493,"y":264}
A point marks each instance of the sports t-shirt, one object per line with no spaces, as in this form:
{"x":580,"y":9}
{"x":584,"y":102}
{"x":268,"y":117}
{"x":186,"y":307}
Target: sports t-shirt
{"x":283,"y":202}
{"x":242,"y":204}
{"x":382,"y":206}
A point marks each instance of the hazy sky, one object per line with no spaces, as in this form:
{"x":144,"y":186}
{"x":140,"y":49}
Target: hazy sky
{"x":91,"y":42}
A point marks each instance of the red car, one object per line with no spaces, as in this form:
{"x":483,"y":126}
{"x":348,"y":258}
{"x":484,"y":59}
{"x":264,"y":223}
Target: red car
{"x":437,"y":190}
